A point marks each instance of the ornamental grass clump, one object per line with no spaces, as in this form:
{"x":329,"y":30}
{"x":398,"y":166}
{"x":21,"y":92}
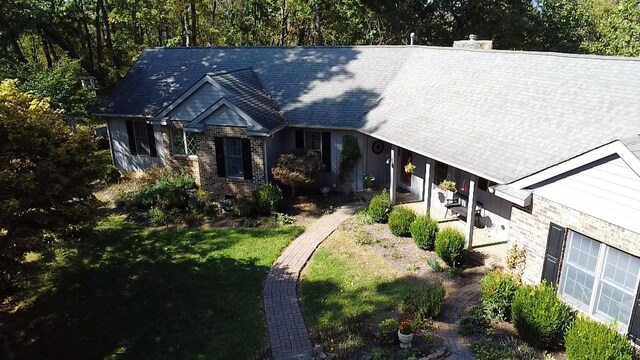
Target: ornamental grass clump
{"x":380,"y":207}
{"x":540,"y":317}
{"x":400,"y":221}
{"x":588,"y":339}
{"x":424,"y":302}
{"x":423,"y":231}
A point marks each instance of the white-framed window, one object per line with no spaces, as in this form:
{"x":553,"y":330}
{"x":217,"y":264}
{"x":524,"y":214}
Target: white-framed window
{"x":183,"y":143}
{"x":142,"y":138}
{"x":599,"y":280}
{"x":233,"y":151}
{"x":313,"y":141}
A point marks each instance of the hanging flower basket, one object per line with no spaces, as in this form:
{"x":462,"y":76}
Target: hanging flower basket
{"x":409,"y":168}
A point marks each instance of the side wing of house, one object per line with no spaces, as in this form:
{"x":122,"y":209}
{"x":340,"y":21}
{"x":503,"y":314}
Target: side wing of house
{"x":135,"y":144}
{"x":582,"y":234}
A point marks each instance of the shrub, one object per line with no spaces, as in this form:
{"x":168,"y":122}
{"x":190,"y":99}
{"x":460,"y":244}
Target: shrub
{"x":388,"y":330}
{"x":377,"y":353}
{"x":425,"y":302}
{"x":434,"y":264}
{"x":588,"y":339}
{"x":400,"y":221}
{"x":449,"y":246}
{"x":294,"y":171}
{"x":507,"y":349}
{"x":157,"y":216}
{"x":540,"y":317}
{"x":170,"y":191}
{"x":243,"y":207}
{"x":267,"y":198}
{"x":380,"y":207}
{"x":473,"y":322}
{"x":423,"y":231}
{"x":496,"y":294}
{"x":111,"y":175}
{"x":204,"y":202}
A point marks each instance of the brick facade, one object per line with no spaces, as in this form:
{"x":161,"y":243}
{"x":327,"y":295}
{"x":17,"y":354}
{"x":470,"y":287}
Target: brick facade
{"x":203,"y":166}
{"x":530,"y":230}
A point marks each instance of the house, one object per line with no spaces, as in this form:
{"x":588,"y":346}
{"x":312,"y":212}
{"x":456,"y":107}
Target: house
{"x":544,"y":147}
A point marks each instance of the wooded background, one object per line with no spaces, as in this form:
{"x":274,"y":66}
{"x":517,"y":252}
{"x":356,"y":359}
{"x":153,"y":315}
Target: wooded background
{"x":106,"y":36}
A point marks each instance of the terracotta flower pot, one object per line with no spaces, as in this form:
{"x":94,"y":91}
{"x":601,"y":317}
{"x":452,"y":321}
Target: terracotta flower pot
{"x":405,"y":340}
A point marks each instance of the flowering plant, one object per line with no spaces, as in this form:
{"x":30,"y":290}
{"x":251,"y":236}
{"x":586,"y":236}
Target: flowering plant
{"x":409,"y":168}
{"x":405,"y":327}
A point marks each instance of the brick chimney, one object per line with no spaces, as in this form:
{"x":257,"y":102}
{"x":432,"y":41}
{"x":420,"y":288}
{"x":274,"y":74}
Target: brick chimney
{"x":474,"y":42}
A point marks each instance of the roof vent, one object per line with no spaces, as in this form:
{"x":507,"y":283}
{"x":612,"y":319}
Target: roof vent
{"x":412,"y":36}
{"x":474,"y":42}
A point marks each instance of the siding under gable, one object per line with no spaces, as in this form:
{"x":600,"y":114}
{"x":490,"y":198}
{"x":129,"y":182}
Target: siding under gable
{"x":608,"y":189}
{"x":196,"y":103}
{"x":224,"y":116}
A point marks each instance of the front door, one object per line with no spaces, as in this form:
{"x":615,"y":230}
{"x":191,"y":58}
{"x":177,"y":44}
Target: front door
{"x":405,"y":158}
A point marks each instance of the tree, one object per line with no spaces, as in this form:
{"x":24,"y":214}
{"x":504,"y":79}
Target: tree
{"x":293,"y":170}
{"x":46,"y":174}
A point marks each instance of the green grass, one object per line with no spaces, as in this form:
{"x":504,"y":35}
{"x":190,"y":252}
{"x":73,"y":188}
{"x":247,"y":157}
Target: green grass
{"x":345,"y":291}
{"x":131,"y":293}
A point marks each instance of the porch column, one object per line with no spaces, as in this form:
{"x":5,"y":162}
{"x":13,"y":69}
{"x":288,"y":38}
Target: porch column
{"x":471,"y":211}
{"x":394,"y":174}
{"x":428,"y":178}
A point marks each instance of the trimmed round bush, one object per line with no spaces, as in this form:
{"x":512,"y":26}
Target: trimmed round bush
{"x":424,"y":231}
{"x":380,"y":207}
{"x":540,"y":317}
{"x":450,"y":246}
{"x":424,"y":301}
{"x":400,"y":221}
{"x":267,"y":198}
{"x":497,"y":289}
{"x":588,"y":339}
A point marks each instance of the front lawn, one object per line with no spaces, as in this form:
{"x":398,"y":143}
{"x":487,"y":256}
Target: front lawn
{"x":345,"y":291}
{"x":130,"y":292}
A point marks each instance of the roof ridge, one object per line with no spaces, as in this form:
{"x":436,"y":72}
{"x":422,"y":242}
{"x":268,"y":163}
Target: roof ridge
{"x":427,"y":47}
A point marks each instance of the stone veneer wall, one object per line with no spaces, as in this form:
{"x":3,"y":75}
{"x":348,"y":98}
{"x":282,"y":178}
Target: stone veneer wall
{"x":531,"y":231}
{"x":203,"y":166}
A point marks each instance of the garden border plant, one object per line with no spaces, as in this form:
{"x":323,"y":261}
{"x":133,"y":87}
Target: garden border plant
{"x":400,"y":221}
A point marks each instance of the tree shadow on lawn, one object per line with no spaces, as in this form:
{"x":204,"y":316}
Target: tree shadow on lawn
{"x":159,"y":296}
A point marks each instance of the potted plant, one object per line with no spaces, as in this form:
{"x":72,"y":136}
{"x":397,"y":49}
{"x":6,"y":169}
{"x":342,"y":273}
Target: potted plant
{"x":448,"y":185}
{"x":409,"y":168}
{"x":405,"y":335}
{"x":367,"y":181}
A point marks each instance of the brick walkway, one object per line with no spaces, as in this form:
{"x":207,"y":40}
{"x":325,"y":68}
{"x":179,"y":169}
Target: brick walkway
{"x":452,"y":311}
{"x":288,"y":335}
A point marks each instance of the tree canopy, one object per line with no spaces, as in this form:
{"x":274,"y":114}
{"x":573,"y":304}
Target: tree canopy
{"x":105,"y":36}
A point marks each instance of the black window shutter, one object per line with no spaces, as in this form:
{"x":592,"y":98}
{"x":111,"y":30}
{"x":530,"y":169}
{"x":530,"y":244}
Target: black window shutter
{"x":246,"y":159}
{"x":326,"y":150}
{"x":555,"y":242}
{"x":132,"y":138}
{"x":634,"y":324}
{"x":220,"y":158}
{"x":299,"y":139}
{"x":152,"y":141}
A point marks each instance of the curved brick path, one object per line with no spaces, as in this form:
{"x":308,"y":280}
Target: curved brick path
{"x":288,"y":335}
{"x":452,"y":311}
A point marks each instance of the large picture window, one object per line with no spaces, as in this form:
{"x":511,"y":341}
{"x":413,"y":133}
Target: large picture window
{"x":599,"y":280}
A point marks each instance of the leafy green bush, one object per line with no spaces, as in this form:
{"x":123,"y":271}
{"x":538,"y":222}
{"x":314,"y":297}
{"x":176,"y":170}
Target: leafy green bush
{"x":204,"y":202}
{"x":157,"y":216}
{"x":400,"y":221}
{"x":243,"y":207}
{"x":267,"y":198}
{"x":377,"y":353}
{"x":380,"y":207}
{"x":540,"y":317}
{"x":450,"y":246}
{"x":473,"y":322}
{"x":388,"y":330}
{"x":588,"y":339}
{"x":111,"y":175}
{"x":496,"y":294}
{"x":424,"y":231}
{"x":425,"y":302}
{"x":170,"y":191}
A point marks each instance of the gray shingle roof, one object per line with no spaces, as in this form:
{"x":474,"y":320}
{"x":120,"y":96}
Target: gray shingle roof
{"x":633,"y":144}
{"x":500,"y":114}
{"x":250,"y":97}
